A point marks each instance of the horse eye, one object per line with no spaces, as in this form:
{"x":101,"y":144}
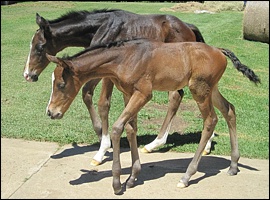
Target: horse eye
{"x":39,"y":48}
{"x":61,"y":85}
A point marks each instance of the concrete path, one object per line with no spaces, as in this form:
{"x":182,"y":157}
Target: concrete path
{"x":35,"y":170}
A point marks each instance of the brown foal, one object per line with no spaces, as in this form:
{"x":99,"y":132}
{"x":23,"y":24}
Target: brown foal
{"x":137,"y":68}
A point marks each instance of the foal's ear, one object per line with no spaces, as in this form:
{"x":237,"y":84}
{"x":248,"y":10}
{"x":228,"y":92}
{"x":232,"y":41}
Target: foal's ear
{"x":59,"y":61}
{"x":53,"y":59}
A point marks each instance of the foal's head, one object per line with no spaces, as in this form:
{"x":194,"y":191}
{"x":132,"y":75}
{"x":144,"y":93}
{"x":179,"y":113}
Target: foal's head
{"x":40,"y":45}
{"x":65,"y":87}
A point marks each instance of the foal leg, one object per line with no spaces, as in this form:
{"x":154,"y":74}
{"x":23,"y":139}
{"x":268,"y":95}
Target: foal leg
{"x":103,"y":108}
{"x":175,"y":99}
{"x":136,"y":102}
{"x":87,"y":95}
{"x":228,"y":111}
{"x":210,"y":120}
{"x":131,"y":129}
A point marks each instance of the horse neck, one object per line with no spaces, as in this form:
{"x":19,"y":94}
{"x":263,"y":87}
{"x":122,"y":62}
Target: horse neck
{"x":97,"y":64}
{"x":79,"y":33}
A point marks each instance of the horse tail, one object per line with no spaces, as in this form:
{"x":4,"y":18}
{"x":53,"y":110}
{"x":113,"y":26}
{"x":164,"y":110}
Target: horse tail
{"x":241,"y":67}
{"x":196,"y":31}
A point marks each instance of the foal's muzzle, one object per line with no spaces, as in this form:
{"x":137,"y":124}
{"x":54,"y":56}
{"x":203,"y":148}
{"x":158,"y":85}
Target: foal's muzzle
{"x":52,"y":115}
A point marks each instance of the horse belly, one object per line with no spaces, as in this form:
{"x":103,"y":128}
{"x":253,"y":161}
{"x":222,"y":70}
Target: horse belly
{"x":170,"y":81}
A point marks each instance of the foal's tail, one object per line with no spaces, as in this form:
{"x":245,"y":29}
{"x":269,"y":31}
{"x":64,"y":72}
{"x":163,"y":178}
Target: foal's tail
{"x":241,"y":67}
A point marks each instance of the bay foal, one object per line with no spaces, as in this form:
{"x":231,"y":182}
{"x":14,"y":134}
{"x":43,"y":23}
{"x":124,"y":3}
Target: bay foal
{"x":137,"y":68}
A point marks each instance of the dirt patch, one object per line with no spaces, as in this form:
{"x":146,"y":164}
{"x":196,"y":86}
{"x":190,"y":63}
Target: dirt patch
{"x":179,"y":124}
{"x":206,"y":7}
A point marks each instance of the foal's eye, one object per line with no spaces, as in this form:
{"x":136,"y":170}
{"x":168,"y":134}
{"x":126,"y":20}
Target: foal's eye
{"x":61,"y":85}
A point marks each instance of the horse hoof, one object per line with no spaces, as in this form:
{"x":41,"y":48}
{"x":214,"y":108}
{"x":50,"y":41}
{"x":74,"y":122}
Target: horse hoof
{"x":205,"y":153}
{"x":181,"y":185}
{"x":130,"y":183}
{"x":95,"y":163}
{"x":144,"y":150}
{"x":118,"y":191}
{"x":232,"y":171}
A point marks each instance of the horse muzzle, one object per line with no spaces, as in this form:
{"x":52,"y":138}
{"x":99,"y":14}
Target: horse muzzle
{"x":56,"y":115}
{"x":30,"y":77}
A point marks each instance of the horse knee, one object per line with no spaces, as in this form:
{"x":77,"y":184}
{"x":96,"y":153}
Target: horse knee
{"x":175,"y":100}
{"x":130,"y":130}
{"x":116,"y":132}
{"x":88,"y":90}
{"x":104,"y":104}
{"x":176,"y":95}
{"x":87,"y":95}
{"x":231,"y":112}
{"x":215,"y":120}
{"x":210,"y":123}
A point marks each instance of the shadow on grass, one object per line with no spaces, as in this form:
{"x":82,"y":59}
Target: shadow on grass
{"x":173,"y":140}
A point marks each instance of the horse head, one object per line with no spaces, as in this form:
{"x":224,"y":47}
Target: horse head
{"x":40,"y":44}
{"x":64,"y":88}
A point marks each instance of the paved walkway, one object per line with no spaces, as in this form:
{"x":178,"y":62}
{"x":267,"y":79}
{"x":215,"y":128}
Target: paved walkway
{"x":35,"y":170}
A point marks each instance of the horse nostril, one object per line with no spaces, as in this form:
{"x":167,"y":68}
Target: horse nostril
{"x":54,"y":116}
{"x":49,"y":113}
{"x":34,"y":78}
{"x":58,"y":115}
{"x":25,"y":75}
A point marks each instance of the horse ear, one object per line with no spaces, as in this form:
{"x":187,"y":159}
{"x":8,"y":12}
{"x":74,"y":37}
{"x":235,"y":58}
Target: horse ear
{"x":43,"y":23}
{"x":59,"y":62}
{"x":53,"y":59}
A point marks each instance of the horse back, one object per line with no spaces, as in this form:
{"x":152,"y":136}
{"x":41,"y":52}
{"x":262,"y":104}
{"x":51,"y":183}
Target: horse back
{"x":182,"y":64}
{"x":122,"y":25}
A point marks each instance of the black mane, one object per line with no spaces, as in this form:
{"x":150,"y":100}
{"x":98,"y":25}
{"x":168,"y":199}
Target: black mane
{"x":79,"y":15}
{"x":100,"y":46}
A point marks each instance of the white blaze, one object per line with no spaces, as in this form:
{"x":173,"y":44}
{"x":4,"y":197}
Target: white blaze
{"x":26,"y":68}
{"x":51,"y":93}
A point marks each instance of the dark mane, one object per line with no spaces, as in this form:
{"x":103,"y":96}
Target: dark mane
{"x":79,"y":15}
{"x":100,"y":46}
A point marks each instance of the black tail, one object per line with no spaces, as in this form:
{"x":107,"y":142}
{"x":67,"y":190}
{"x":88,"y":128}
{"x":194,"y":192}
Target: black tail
{"x":196,"y":31}
{"x":241,"y":67}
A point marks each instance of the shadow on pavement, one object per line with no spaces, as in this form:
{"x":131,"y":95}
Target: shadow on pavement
{"x":210,"y":165}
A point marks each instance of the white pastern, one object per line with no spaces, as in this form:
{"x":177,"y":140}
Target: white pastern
{"x":104,"y":146}
{"x":158,"y":142}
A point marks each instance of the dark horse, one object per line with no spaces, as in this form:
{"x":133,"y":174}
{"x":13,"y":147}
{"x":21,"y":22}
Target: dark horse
{"x":139,"y":67}
{"x":84,"y":29}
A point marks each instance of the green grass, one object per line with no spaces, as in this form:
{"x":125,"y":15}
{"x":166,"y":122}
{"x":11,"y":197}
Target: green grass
{"x":23,"y":104}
